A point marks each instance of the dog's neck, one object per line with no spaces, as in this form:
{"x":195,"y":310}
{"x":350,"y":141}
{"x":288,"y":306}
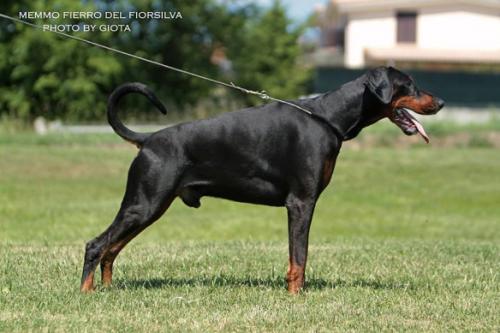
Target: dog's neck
{"x":345,"y":108}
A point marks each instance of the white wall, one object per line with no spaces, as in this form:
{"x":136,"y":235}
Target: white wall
{"x":458,"y":30}
{"x":364,"y":31}
{"x":444,"y":29}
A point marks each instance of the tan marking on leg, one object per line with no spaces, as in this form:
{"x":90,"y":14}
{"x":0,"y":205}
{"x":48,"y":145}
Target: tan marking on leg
{"x":108,"y":260}
{"x":88,"y":285}
{"x":112,"y":252}
{"x":295,"y":278}
{"x":107,"y":272}
{"x":107,"y":275}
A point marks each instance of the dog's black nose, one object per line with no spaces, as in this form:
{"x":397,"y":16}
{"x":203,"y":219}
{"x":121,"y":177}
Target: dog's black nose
{"x":440,"y":103}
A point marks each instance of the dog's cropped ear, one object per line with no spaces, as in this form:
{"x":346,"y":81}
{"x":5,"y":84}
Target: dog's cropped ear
{"x":379,"y":84}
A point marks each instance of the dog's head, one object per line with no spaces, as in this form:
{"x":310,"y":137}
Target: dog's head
{"x":399,"y":95}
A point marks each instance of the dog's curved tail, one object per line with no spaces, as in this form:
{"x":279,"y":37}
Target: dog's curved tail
{"x":134,"y":137}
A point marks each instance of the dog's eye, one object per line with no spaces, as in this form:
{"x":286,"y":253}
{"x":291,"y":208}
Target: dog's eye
{"x":409,"y":88}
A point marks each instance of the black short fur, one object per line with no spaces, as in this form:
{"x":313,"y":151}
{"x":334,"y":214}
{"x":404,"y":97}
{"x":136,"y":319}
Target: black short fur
{"x":272,"y":155}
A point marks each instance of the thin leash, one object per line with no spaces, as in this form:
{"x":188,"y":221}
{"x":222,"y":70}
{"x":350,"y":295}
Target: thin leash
{"x":261,"y":94}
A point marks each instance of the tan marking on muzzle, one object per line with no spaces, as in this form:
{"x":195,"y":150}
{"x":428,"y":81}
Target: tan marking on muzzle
{"x":419,"y":105}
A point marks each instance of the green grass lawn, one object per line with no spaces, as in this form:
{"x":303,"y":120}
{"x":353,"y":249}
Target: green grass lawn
{"x":403,"y":239}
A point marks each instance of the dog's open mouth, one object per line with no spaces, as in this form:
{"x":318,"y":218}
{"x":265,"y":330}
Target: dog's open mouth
{"x":408,"y":123}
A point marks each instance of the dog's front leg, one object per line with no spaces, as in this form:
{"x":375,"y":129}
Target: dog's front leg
{"x":300,"y":213}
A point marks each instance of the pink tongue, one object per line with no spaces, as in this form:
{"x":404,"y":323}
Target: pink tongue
{"x":419,"y":127}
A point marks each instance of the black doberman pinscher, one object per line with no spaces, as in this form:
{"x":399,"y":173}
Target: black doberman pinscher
{"x":272,"y":154}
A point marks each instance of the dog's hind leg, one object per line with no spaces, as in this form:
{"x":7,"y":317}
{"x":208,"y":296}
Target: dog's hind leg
{"x":144,"y":202}
{"x":118,"y":241}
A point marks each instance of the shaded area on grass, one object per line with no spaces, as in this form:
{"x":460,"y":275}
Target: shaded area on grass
{"x":274,"y":283}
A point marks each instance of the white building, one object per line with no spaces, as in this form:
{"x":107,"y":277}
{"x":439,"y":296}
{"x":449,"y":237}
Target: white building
{"x":426,"y":31}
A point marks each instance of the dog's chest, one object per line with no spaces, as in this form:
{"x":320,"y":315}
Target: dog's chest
{"x":328,"y":167}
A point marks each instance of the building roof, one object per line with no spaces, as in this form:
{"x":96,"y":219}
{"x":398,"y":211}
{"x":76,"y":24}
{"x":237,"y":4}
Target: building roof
{"x":347,"y":6}
{"x":412,"y":53}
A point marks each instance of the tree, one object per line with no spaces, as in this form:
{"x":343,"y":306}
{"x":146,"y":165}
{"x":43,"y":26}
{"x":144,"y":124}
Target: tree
{"x":187,"y":43}
{"x":46,"y":75}
{"x":43,"y":74}
{"x":268,"y":57}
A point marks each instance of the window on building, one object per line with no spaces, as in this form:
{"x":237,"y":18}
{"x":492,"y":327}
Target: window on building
{"x":407,"y":27}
